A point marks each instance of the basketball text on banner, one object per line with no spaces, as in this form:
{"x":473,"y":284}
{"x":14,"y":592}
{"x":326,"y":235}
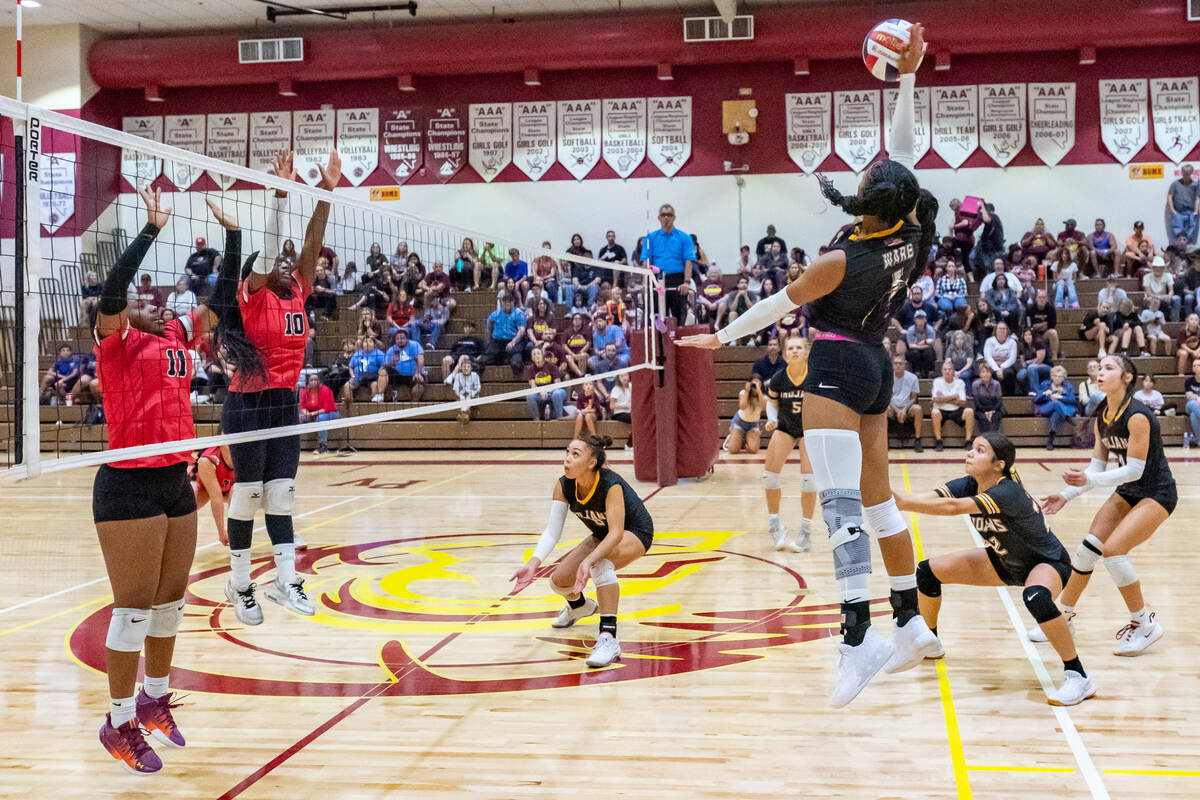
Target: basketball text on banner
{"x":446,"y":141}
{"x":921,"y":134}
{"x":579,"y":136}
{"x":57,"y":189}
{"x":185,"y":131}
{"x":809,"y":117}
{"x":856,"y":127}
{"x":1124,"y":118}
{"x":955,"y":123}
{"x":225,"y":140}
{"x":141,"y":169}
{"x":491,"y":138}
{"x":534,"y":132}
{"x":312,"y":141}
{"x":1175,"y":107}
{"x":358,"y":143}
{"x":1052,"y":120}
{"x":670,"y":125}
{"x":1002,"y":120}
{"x":402,"y":145}
{"x":624,"y":122}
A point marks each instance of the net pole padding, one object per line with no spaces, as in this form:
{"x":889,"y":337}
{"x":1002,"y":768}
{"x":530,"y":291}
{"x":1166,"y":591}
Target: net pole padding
{"x":19,"y":287}
{"x":666,"y":405}
{"x":30,"y":322}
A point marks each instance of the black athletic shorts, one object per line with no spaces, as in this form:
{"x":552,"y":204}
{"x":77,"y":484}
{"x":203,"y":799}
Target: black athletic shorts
{"x":955,"y":416}
{"x":1017,"y":574}
{"x":142,"y":492}
{"x":396,"y":378}
{"x":645,"y":537}
{"x":1168,"y":498}
{"x":264,"y":459}
{"x":859,"y":376}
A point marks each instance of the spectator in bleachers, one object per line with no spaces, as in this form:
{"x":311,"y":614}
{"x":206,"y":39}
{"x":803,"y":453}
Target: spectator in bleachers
{"x":317,"y":405}
{"x":1150,"y":397}
{"x":491,"y":263}
{"x":400,"y":312}
{"x":1065,"y":272}
{"x":1000,"y":353}
{"x":516,"y":270}
{"x":906,"y":314}
{"x":951,"y":290}
{"x":1111,"y":295}
{"x":960,"y":352}
{"x":1153,"y":321}
{"x":146,"y":293}
{"x":337,"y":374}
{"x":1056,"y":400}
{"x":436,"y":283}
{"x":545,"y":269}
{"x":1134,"y":256}
{"x":288,"y":255}
{"x":506,"y":329}
{"x":60,"y":379}
{"x":405,"y":365}
{"x":1026,"y":294}
{"x":376,"y":260}
{"x":1189,"y":342}
{"x":904,"y":405}
{"x":182,"y":299}
{"x":552,"y":351}
{"x":411,"y":273}
{"x":701,"y":257}
{"x":367,"y":368}
{"x":963,"y":231}
{"x":606,"y":360}
{"x":1178,"y":249}
{"x":988,"y":396}
{"x":620,"y":404}
{"x":1033,"y":362}
{"x":469,"y":345}
{"x":323,"y":297}
{"x":919,"y":352}
{"x":578,"y":344}
{"x":736,"y":303}
{"x":1038,"y":242}
{"x":1126,"y":329}
{"x":427,"y":328}
{"x":991,"y":239}
{"x":466,"y":272}
{"x":587,"y":409}
{"x":774,"y":261}
{"x":1094,"y":328}
{"x":754,"y":281}
{"x":87,"y":388}
{"x":400,"y":258}
{"x":464,"y":382}
{"x":375,"y":293}
{"x":368,"y":325}
{"x":200,"y":265}
{"x":1161,"y":284}
{"x":1013,"y":256}
{"x":1090,"y":395}
{"x":1191,"y":388}
{"x":539,"y":317}
{"x":1183,"y":204}
{"x":543,"y":376}
{"x":611,"y":301}
{"x":1104,"y":251}
{"x":89,"y":296}
{"x":349,"y":280}
{"x":1188,"y":285}
{"x":745,"y":428}
{"x":1006,"y":306}
{"x":1073,"y":241}
{"x":712,"y":291}
{"x":326,"y":252}
{"x":745,"y":261}
{"x":925,"y":282}
{"x":764,"y":243}
{"x":949,"y":396}
{"x":980,"y":322}
{"x":584,"y":279}
{"x":604,"y":333}
{"x":612,"y":252}
{"x":766,"y":366}
{"x":1041,"y":317}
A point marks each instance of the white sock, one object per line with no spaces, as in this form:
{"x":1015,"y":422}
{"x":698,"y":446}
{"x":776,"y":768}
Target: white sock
{"x":901,"y":582}
{"x":239,"y":566}
{"x":1142,"y":616}
{"x":157,"y":687}
{"x":805,"y":527}
{"x":121,"y":710}
{"x":285,"y":563}
{"x":773,"y":519}
{"x":1066,"y":610}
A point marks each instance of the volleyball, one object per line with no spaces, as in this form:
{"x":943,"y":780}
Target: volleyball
{"x":882,"y":47}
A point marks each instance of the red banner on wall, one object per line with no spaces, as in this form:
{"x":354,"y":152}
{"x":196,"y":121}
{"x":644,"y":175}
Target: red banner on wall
{"x":446,"y":141}
{"x":401,"y":141}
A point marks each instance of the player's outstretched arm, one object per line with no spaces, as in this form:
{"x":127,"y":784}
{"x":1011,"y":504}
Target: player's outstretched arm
{"x":314,"y":235}
{"x":116,"y":284}
{"x":903,"y":138}
{"x":546,"y":544}
{"x":224,"y":293}
{"x":933,"y":503}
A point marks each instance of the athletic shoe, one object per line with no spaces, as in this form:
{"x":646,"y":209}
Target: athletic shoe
{"x":937,"y":445}
{"x":917,"y":446}
{"x":299,"y":542}
{"x":377,"y":398}
{"x":936,"y":654}
{"x":291,"y":597}
{"x":569,"y":616}
{"x":1035,"y":633}
{"x":1101,"y":353}
{"x":606,"y":651}
{"x":912,"y":644}
{"x":857,"y":665}
{"x":1075,"y":690}
{"x":1135,"y":637}
{"x":322,"y":449}
{"x":154,"y":714}
{"x":128,"y":745}
{"x":245,"y":606}
{"x":802,"y":543}
{"x":778,"y":535}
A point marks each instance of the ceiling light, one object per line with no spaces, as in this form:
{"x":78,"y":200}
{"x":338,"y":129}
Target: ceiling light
{"x":29,"y":3}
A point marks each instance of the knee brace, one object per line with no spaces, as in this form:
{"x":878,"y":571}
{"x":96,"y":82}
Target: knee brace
{"x":928,"y":583}
{"x":127,"y":629}
{"x":1090,"y":551}
{"x":885,"y":519}
{"x":279,"y":497}
{"x":1121,"y":570}
{"x":1040,"y":603}
{"x":772,"y":480}
{"x":851,"y":546}
{"x":165,"y":619}
{"x":244,"y":500}
{"x":603,"y":573}
{"x":808,"y":483}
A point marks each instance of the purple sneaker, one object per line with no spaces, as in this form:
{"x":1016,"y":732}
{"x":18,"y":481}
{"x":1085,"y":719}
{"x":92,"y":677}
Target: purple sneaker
{"x":128,"y":745}
{"x":154,"y":714}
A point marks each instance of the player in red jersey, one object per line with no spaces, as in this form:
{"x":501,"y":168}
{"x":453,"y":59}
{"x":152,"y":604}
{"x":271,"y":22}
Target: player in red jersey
{"x":262,"y":395}
{"x":144,"y":509}
{"x":212,"y":479}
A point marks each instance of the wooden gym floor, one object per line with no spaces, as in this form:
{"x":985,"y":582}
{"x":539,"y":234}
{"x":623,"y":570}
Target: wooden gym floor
{"x":420,"y":678}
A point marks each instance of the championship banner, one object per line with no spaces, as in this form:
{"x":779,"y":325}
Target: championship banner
{"x":56,"y":185}
{"x":402,"y":147}
{"x":358,"y":142}
{"x":670,"y":127}
{"x":955,"y":123}
{"x":185,"y":131}
{"x":579,"y":136}
{"x":535,"y":131}
{"x":856,"y":127}
{"x":1176,"y":109}
{"x":225,"y":139}
{"x":140,"y":169}
{"x":1052,"y":120}
{"x":921,"y":135}
{"x":491,"y":138}
{"x":624,"y":134}
{"x":446,"y":142}
{"x":1002,"y":120}
{"x":1124,"y":120}
{"x":270,"y":132}
{"x":809,"y":117}
{"x":312,"y":141}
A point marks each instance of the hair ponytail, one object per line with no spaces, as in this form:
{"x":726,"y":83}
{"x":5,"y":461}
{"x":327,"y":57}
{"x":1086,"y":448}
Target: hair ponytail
{"x":927,"y":211}
{"x":889,"y":192}
{"x":1003,"y":450}
{"x":597,"y":445}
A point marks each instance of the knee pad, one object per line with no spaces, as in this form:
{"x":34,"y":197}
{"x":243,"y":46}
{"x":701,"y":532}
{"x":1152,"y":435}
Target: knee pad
{"x":603,"y":573}
{"x":565,"y":591}
{"x":244,"y":500}
{"x":772,"y":480}
{"x":1121,"y":570}
{"x":1040,"y":603}
{"x":127,"y":629}
{"x":885,"y":519}
{"x":1090,"y":551}
{"x":928,"y":583}
{"x":279,"y":496}
{"x":808,"y":483}
{"x":165,"y":619}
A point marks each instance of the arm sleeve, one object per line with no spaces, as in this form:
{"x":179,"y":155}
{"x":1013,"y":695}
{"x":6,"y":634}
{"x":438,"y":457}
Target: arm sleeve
{"x":113,"y":297}
{"x":553,"y":532}
{"x":903,"y":123}
{"x":765,"y":312}
{"x":275,"y":211}
{"x":772,"y":410}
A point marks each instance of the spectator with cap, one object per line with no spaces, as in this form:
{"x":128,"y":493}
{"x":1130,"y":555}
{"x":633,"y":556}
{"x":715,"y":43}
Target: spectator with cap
{"x":1183,"y":203}
{"x":1074,"y":241}
{"x":199,"y":266}
{"x":469,"y":345}
{"x":146,"y":293}
{"x":1135,"y":256}
{"x":1161,"y":284}
{"x":920,"y":351}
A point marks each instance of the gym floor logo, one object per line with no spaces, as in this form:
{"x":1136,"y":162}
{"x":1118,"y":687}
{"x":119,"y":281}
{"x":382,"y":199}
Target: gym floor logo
{"x":428,"y":615}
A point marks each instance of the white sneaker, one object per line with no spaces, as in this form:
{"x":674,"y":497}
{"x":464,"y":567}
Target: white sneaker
{"x":940,"y":652}
{"x":569,"y":616}
{"x":606,"y":651}
{"x":245,"y":606}
{"x":299,"y":542}
{"x":291,"y":597}
{"x":1101,"y":353}
{"x":778,"y":536}
{"x":377,"y":398}
{"x":1135,"y":638}
{"x":1035,"y":633}
{"x":802,"y":543}
{"x":912,"y":644}
{"x":1075,"y":690}
{"x":857,"y":665}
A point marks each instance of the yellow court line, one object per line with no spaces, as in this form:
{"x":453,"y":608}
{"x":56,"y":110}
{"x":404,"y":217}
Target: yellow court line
{"x":1177,"y":773}
{"x":983,"y":768}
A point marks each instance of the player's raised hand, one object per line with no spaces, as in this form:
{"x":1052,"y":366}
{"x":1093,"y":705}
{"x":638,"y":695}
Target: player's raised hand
{"x":910,"y":57}
{"x":227,"y":220}
{"x":156,"y":215}
{"x":331,"y":173}
{"x":283,"y":166}
{"x":524,"y":576}
{"x":1052,"y":504}
{"x":706,"y":341}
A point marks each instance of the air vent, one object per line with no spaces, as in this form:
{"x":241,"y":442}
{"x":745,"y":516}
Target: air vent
{"x":268,"y":51}
{"x":1194,"y":10}
{"x":715,"y":29}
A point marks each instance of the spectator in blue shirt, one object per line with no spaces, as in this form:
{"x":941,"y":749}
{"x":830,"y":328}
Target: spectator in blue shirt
{"x":515,"y":268}
{"x":506,"y":333}
{"x":367,"y":366}
{"x":58,"y":382}
{"x":605,"y":334}
{"x":607,"y":360}
{"x":674,"y":254}
{"x":405,"y":365}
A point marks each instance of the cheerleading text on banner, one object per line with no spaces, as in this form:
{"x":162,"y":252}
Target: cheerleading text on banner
{"x":534,"y":131}
{"x":312,"y":142}
{"x":670,"y":131}
{"x":140,"y":169}
{"x":921,"y":136}
{"x":1124,"y":118}
{"x":809,"y":117}
{"x":1052,"y":120}
{"x":270,"y":132}
{"x":402,"y":146}
{"x":446,"y":142}
{"x":856,"y":127}
{"x":185,"y":131}
{"x":358,"y":142}
{"x":491,"y":138}
{"x":1175,"y":106}
{"x":56,"y":184}
{"x":955,"y":123}
{"x":225,"y":140}
{"x":624,"y":134}
{"x":579,"y":136}
{"x":1002,"y":120}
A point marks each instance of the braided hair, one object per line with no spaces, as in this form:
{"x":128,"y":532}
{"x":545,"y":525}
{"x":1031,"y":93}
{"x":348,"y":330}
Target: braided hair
{"x":230,"y":333}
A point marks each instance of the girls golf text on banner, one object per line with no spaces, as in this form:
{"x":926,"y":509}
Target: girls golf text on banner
{"x":670,"y":126}
{"x":624,"y":123}
{"x":955,"y":123}
{"x":491,"y":138}
{"x":1124,"y":119}
{"x":534,"y":137}
{"x":1051,"y":120}
{"x":1002,"y":120}
{"x":856,"y":127}
{"x":809,"y":118}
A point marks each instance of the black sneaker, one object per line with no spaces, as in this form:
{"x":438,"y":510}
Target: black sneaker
{"x":917,"y":447}
{"x":937,"y":445}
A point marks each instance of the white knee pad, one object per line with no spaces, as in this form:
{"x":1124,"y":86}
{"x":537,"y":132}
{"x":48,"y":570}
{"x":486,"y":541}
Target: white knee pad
{"x":279,"y":497}
{"x":165,"y":619}
{"x":1087,"y":554}
{"x":565,"y":591}
{"x":603,"y":573}
{"x":244,"y":500}
{"x":772,"y":480}
{"x":127,"y":629}
{"x":808,"y":483}
{"x":1121,"y":570}
{"x":884,"y":520}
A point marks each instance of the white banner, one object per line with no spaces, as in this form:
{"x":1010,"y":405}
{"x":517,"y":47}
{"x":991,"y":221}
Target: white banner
{"x":312,"y":141}
{"x":809,"y":118}
{"x":534,"y":134}
{"x":1175,"y":105}
{"x":856,"y":127}
{"x":141,"y":169}
{"x":225,"y":139}
{"x":625,"y":134}
{"x":670,"y":127}
{"x":1052,"y":120}
{"x":358,"y":142}
{"x":1002,"y":120}
{"x":1124,"y":120}
{"x":955,"y":123}
{"x":56,"y":184}
{"x":491,"y":139}
{"x":270,"y":132}
{"x":579,"y":136}
{"x":921,"y":135}
{"x":185,"y":131}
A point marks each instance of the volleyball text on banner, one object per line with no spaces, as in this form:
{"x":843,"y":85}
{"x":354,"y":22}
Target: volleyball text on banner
{"x":1002,"y":120}
{"x":955,"y":123}
{"x":534,"y":133}
{"x":185,"y":131}
{"x":270,"y":132}
{"x":402,"y":141}
{"x":1052,"y":120}
{"x":312,"y":142}
{"x":491,"y":138}
{"x":809,"y":118}
{"x":921,"y":140}
{"x":358,"y":142}
{"x":225,"y":139}
{"x":141,"y":169}
{"x":56,"y":182}
{"x":579,"y":136}
{"x":1175,"y":106}
{"x":856,"y":127}
{"x":1124,"y":118}
{"x":670,"y":126}
{"x":446,"y":142}
{"x":624,"y":123}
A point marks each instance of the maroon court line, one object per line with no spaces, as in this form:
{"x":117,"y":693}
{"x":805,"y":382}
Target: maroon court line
{"x":1079,"y":459}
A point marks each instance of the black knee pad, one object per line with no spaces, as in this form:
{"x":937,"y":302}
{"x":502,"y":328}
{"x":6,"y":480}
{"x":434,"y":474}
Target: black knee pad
{"x":1040,"y":603}
{"x":927,"y":582}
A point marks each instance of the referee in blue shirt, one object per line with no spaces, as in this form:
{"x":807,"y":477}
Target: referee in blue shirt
{"x":673,"y":252}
